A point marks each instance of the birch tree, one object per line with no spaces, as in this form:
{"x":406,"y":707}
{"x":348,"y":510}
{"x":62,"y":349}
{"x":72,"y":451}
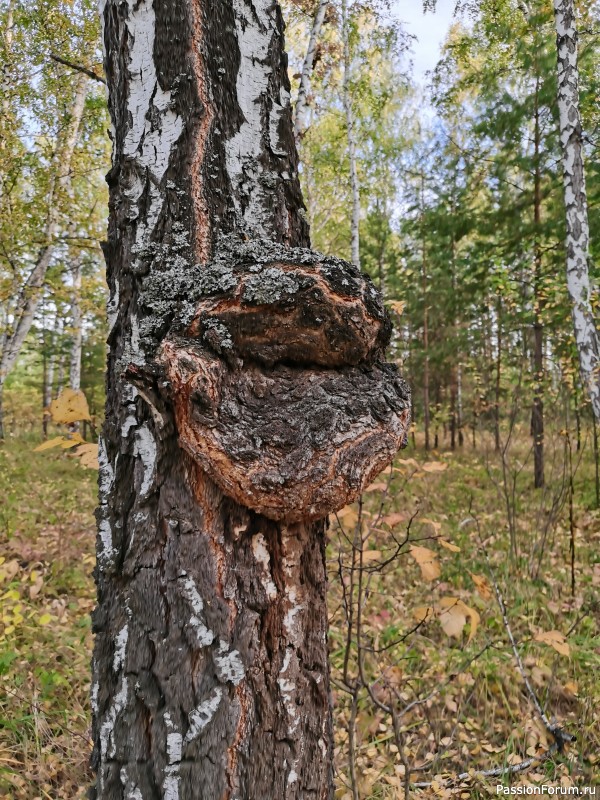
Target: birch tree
{"x":302,"y":102}
{"x":28,"y":297}
{"x":247,"y":398}
{"x":347,"y":98}
{"x":77,"y":328}
{"x":576,"y":207}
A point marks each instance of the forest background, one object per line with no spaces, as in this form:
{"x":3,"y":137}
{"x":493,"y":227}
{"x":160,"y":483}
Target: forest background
{"x":464,"y":583}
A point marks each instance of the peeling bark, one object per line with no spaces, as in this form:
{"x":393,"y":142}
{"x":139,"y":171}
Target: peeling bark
{"x":210,"y":662}
{"x":578,"y":231}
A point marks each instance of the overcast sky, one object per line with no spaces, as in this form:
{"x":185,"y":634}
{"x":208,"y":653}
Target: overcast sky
{"x":430,"y":30}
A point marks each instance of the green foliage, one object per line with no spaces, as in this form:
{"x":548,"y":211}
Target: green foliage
{"x":37,"y":97}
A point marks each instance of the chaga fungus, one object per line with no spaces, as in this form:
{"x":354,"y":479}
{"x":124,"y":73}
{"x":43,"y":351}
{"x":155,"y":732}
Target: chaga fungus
{"x":279,"y":386}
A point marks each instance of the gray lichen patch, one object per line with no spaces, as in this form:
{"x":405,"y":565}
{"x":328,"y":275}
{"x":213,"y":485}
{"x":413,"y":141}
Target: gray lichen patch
{"x":291,"y":305}
{"x":217,"y":336}
{"x":259,"y":273}
{"x":269,"y":287}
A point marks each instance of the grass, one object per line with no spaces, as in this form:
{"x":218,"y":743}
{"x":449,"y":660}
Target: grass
{"x":477,"y":719}
{"x":46,"y":548}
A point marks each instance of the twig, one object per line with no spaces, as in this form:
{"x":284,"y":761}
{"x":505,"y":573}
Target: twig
{"x":78,"y":68}
{"x":560,"y":736}
{"x":400,"y":742}
{"x":420,"y":700}
{"x":497,"y":771}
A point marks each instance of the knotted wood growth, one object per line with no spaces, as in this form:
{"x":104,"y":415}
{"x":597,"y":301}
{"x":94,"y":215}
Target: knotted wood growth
{"x":278,"y":382}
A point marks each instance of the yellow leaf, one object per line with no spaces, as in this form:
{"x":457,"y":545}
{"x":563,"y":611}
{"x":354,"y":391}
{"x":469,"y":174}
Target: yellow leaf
{"x":371,"y":555}
{"x":434,"y":466}
{"x":482,"y":586}
{"x":45,"y":619}
{"x":69,"y":406}
{"x":408,"y":462}
{"x":56,"y":442}
{"x":423,"y":613}
{"x":88,"y":455}
{"x":454,"y":615}
{"x":555,"y":639}
{"x":394,"y":519}
{"x":377,"y":487}
{"x":427,"y":561}
{"x":394,"y":676}
{"x":398,"y":306}
{"x":9,"y":569}
{"x":348,"y":515}
{"x":452,"y":618}
{"x":449,"y":546}
{"x":73,"y":440}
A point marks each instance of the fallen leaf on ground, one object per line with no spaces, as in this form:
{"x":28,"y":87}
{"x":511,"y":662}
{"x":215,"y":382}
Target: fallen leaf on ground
{"x":427,"y":561}
{"x":555,"y":639}
{"x":482,"y":586}
{"x":88,"y":455}
{"x":394,"y":519}
{"x":434,"y":466}
{"x":449,"y":546}
{"x":423,"y":613}
{"x":454,"y":615}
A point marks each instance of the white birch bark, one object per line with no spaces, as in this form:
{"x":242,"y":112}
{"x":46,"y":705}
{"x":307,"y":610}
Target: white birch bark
{"x":76,"y":319}
{"x":5,"y":79}
{"x":355,"y":221}
{"x":49,"y":383}
{"x":302,"y":103}
{"x":31,"y":291}
{"x":578,"y":231}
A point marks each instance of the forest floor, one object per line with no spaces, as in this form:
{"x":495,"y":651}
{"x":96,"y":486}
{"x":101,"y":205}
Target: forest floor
{"x":426,"y":552}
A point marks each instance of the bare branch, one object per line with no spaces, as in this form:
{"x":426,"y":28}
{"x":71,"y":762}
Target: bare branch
{"x":78,"y":68}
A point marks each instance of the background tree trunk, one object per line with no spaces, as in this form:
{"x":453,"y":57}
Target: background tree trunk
{"x":49,"y":361}
{"x":578,"y":229}
{"x":424,"y":286}
{"x":302,"y":102}
{"x":77,"y":332}
{"x":210,"y":662}
{"x":537,"y":412}
{"x":354,"y":184}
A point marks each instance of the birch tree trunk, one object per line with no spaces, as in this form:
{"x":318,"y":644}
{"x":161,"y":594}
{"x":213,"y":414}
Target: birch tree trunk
{"x":578,"y":231}
{"x":302,"y":102}
{"x":76,"y":334}
{"x":49,"y":361}
{"x":76,"y":323}
{"x":537,"y":410}
{"x":354,"y":184}
{"x":246,"y":398}
{"x":30,"y":294}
